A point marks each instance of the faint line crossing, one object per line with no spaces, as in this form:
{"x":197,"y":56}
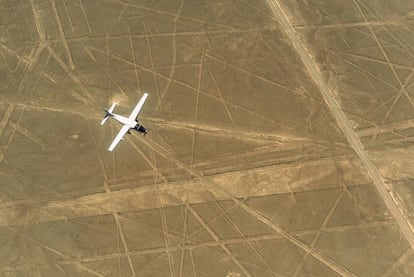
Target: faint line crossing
{"x":342,"y":121}
{"x":402,"y":86}
{"x":352,"y":24}
{"x":221,"y":96}
{"x":320,"y":232}
{"x":257,"y":215}
{"x":56,"y":252}
{"x":114,"y":214}
{"x":165,"y":77}
{"x":217,"y":239}
{"x":30,"y":135}
{"x":208,"y":244}
{"x":226,"y":216}
{"x":6,"y":118}
{"x":62,"y":34}
{"x":389,"y":127}
{"x":163,"y":218}
{"x":399,"y":262}
{"x":85,"y":16}
{"x":37,"y":21}
{"x":122,"y":235}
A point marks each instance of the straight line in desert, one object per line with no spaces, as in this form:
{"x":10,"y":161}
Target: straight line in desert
{"x":171,"y":34}
{"x":342,"y":121}
{"x":238,"y":183}
{"x":385,"y":128}
{"x":9,"y":141}
{"x":72,"y":74}
{"x":206,"y":244}
{"x":401,"y":261}
{"x":171,"y":14}
{"x":254,"y":248}
{"x":211,"y":129}
{"x":227,"y":132}
{"x":371,"y":59}
{"x":192,"y":88}
{"x":221,"y":191}
{"x":217,"y":239}
{"x":126,"y":249}
{"x":62,"y":34}
{"x":29,"y":134}
{"x":27,"y":61}
{"x":38,"y":24}
{"x":351,"y":25}
{"x":55,"y":251}
{"x":6,"y":118}
{"x":85,"y":17}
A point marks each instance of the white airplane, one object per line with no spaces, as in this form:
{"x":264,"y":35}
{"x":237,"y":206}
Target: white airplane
{"x":130,"y":122}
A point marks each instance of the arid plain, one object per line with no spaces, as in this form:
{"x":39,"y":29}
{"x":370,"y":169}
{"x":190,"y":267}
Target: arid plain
{"x":280,"y":138}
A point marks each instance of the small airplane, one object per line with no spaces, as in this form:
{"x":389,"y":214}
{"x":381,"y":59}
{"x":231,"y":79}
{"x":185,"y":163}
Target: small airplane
{"x":129,"y":123}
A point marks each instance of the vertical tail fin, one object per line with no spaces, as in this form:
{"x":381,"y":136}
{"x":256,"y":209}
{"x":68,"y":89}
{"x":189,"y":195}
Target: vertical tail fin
{"x":108,"y":113}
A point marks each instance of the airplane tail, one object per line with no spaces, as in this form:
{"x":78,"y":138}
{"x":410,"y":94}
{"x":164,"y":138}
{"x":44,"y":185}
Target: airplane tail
{"x":108,"y":113}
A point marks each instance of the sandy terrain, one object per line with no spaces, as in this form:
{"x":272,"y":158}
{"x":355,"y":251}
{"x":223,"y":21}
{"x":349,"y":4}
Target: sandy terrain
{"x":280,"y":138}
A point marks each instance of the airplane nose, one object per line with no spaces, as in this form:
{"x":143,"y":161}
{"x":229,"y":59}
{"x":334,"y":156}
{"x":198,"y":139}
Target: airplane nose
{"x":141,"y":129}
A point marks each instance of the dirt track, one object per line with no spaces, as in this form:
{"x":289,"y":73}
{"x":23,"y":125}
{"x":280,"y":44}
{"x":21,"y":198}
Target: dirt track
{"x":272,"y":128}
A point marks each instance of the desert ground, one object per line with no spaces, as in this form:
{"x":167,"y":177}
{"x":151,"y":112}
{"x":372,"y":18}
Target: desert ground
{"x":281,"y":138}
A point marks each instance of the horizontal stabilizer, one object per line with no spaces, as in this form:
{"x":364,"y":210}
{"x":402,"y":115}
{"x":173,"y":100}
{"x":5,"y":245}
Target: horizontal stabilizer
{"x":108,"y":113}
{"x":104,"y":120}
{"x":111,"y":109}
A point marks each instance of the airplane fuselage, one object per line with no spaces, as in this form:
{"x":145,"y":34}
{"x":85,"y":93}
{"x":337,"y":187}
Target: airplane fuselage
{"x":132,"y":124}
{"x":124,"y":120}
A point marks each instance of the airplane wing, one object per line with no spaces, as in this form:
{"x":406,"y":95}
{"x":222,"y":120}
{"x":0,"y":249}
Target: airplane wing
{"x":138,"y":107}
{"x":118,"y":137}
